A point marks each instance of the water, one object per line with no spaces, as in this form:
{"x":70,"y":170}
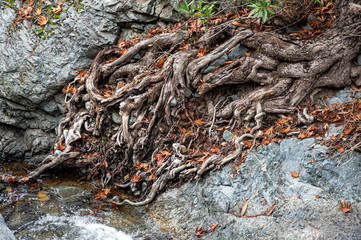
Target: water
{"x":71,"y":226}
{"x":63,"y":207}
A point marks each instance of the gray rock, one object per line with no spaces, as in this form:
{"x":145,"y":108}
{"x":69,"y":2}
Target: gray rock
{"x":31,"y":78}
{"x":205,"y":202}
{"x":116,"y":118}
{"x":307,"y":27}
{"x":173,"y":102}
{"x":292,"y":29}
{"x":188,"y":93}
{"x":237,"y":52}
{"x":359,"y":60}
{"x":5,"y":232}
{"x":227,"y":135}
{"x":218,"y":62}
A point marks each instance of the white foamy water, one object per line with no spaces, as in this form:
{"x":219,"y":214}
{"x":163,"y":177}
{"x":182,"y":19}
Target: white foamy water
{"x":72,"y":227}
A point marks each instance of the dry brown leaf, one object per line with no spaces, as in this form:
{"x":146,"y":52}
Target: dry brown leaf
{"x":57,"y":10}
{"x":160,"y":63}
{"x":244,"y":208}
{"x":346,"y":207}
{"x":295,"y":174}
{"x":42,"y":20}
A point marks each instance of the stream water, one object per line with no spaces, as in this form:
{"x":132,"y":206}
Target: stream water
{"x":62,"y":206}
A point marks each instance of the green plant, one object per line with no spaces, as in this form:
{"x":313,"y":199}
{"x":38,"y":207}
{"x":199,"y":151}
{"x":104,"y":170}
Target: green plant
{"x":203,"y":12}
{"x":262,"y":9}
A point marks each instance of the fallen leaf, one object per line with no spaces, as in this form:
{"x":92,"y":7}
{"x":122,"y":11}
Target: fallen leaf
{"x":295,"y":174}
{"x":244,"y":208}
{"x":212,"y":227}
{"x":200,"y":232}
{"x":346,"y":207}
{"x":199,"y":121}
{"x":57,"y":10}
{"x":42,"y":20}
{"x":160,"y":63}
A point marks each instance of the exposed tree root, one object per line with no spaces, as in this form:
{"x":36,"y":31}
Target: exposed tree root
{"x":122,"y":134}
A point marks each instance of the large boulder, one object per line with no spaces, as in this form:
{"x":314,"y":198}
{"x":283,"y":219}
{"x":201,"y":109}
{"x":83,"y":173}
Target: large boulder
{"x":306,"y":207}
{"x":36,"y":62}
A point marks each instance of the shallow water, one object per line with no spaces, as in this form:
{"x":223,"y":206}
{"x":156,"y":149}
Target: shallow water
{"x":62,"y":206}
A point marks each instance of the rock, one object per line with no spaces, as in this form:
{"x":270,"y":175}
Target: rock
{"x":359,"y":60}
{"x":34,"y":100}
{"x":237,"y":52}
{"x":307,"y":27}
{"x":188,"y":93}
{"x":87,"y":105}
{"x":173,"y":102}
{"x":66,"y":192}
{"x":116,"y":118}
{"x":57,"y":152}
{"x":218,"y":62}
{"x":5,"y":232}
{"x":292,"y":29}
{"x":227,"y":135}
{"x":206,"y":202}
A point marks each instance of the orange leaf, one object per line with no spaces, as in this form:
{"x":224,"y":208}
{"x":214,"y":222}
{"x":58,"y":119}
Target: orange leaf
{"x":215,"y":150}
{"x":248,"y":143}
{"x":60,"y":146}
{"x":199,"y":121}
{"x":136,"y":178}
{"x":42,"y":20}
{"x":160,"y":63}
{"x":295,"y":174}
{"x":57,"y":10}
{"x":200,"y":232}
{"x":346,"y":207}
{"x":212,"y":227}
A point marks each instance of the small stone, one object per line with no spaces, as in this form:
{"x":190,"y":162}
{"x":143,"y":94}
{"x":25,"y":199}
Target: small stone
{"x":235,"y":97}
{"x":173,"y":102}
{"x":57,"y":152}
{"x":137,"y":56}
{"x":132,"y":120}
{"x":188,"y":92}
{"x":87,"y":105}
{"x":116,"y":118}
{"x":196,"y":95}
{"x":227,"y":135}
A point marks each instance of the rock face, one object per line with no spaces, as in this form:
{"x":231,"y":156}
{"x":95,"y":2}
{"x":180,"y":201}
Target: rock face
{"x":5,"y":233}
{"x":33,"y":70}
{"x":306,"y":207}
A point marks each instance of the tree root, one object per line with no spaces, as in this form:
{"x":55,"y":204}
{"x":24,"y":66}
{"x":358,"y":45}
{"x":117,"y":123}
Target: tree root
{"x":124,"y":135}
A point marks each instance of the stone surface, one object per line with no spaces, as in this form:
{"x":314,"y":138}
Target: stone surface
{"x":33,"y":71}
{"x":218,"y":62}
{"x":5,"y":232}
{"x":227,"y":135}
{"x":306,"y":207}
{"x":237,"y":52}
